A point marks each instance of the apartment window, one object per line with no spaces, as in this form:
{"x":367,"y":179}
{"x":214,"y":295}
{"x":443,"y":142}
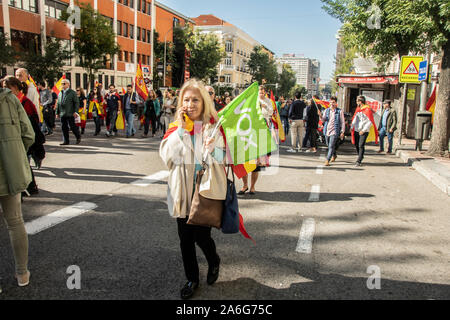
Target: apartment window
{"x":144,"y":32}
{"x":125,"y":29}
{"x":132,"y":57}
{"x":28,"y":5}
{"x":126,"y":56}
{"x":148,"y":36}
{"x":85,"y":81}
{"x":54,"y":9}
{"x":138,"y":58}
{"x":139,"y":33}
{"x":119,"y":28}
{"x":78,"y":80}
{"x":228,"y":78}
{"x":228,"y":61}
{"x":106,"y":81}
{"x":144,"y":5}
{"x":131,"y":31}
{"x":149,"y":8}
{"x":138,"y":5}
{"x":229,"y":46}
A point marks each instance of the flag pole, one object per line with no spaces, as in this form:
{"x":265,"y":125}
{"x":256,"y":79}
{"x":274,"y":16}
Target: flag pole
{"x":212,"y":135}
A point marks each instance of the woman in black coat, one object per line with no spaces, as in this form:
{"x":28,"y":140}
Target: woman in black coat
{"x":312,"y":124}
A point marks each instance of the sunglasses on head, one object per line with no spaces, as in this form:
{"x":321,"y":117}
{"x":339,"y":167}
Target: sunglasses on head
{"x":211,"y":93}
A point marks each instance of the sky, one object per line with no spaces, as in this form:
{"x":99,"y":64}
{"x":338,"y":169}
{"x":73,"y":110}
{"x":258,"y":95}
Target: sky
{"x":283,"y":26}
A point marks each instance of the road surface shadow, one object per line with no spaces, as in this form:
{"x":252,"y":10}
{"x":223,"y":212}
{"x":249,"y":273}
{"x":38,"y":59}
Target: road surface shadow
{"x":288,"y":196}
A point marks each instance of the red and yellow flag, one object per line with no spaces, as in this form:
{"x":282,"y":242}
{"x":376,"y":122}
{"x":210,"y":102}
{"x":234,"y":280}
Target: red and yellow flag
{"x":373,"y":133}
{"x":276,"y":119}
{"x":58,"y":86}
{"x":139,"y":82}
{"x":431,"y":105}
{"x":324,"y":104}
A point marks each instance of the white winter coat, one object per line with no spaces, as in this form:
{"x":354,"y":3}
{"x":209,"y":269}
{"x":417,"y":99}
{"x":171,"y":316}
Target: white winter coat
{"x":177,"y":152}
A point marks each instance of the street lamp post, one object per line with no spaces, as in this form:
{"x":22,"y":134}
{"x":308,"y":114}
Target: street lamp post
{"x":165,"y":54}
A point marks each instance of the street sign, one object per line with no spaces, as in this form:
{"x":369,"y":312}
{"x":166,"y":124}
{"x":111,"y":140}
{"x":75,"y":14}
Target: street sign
{"x":409,"y":69}
{"x":423,"y":71}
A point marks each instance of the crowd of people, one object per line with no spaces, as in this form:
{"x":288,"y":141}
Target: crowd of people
{"x":22,"y":139}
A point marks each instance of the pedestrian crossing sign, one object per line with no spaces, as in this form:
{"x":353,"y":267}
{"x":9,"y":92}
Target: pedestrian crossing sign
{"x":409,"y":69}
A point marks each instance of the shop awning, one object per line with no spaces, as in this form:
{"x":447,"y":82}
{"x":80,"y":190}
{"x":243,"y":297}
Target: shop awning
{"x":368,"y":80}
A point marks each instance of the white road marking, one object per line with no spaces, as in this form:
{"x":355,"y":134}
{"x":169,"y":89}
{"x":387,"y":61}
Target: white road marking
{"x":47,"y":172}
{"x":57,"y":217}
{"x":322,"y":157}
{"x":315,"y":193}
{"x":319,"y":170}
{"x":144,"y":182}
{"x":305,"y":239}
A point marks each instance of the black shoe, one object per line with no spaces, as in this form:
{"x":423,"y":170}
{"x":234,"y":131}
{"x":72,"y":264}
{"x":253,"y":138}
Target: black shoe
{"x":38,"y":164}
{"x":64,"y":144}
{"x":78,"y":141}
{"x":213,"y":273}
{"x":243,"y":191}
{"x":188,"y":290}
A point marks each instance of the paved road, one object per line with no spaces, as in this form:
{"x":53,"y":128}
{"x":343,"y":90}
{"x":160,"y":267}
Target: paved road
{"x":383,"y":214}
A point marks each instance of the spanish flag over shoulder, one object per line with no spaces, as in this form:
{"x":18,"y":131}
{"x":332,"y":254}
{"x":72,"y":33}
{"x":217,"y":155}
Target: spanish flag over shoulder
{"x":58,"y":86}
{"x":431,"y":105}
{"x":373,"y":134}
{"x":276,"y":119}
{"x":139,"y":82}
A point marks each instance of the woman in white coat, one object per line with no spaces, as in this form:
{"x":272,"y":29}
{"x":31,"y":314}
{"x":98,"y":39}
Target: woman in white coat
{"x":184,"y":146}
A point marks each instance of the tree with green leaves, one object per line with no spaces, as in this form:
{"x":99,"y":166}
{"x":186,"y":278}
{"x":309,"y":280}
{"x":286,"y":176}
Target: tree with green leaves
{"x":297,"y":88}
{"x":7,"y":52}
{"x":206,"y":52}
{"x":262,"y":66}
{"x":94,"y":42}
{"x":49,"y":65}
{"x":387,"y":29}
{"x":287,"y":80}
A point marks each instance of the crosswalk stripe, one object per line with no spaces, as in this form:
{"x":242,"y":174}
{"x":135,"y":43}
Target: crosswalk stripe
{"x":57,"y":217}
{"x":144,"y":182}
{"x":315,"y":193}
{"x":305,"y":239}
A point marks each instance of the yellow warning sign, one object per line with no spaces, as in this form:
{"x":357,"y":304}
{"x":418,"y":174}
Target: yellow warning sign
{"x":409,"y":69}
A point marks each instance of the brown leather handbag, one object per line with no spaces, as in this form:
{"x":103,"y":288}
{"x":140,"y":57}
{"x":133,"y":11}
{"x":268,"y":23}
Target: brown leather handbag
{"x":205,"y":212}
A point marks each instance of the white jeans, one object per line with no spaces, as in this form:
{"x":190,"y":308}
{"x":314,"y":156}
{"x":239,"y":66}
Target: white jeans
{"x":297,"y":131}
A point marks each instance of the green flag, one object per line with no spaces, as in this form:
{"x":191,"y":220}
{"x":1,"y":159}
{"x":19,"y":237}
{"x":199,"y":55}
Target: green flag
{"x":246,"y":131}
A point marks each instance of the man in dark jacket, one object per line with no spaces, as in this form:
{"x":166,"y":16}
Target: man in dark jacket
{"x":296,"y":123}
{"x":130,"y":102}
{"x":312,"y":124}
{"x":67,"y":109}
{"x":387,"y":126}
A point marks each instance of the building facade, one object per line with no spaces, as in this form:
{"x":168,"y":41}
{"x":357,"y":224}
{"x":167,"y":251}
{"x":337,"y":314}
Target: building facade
{"x":31,"y":22}
{"x":233,"y":71}
{"x":307,"y":71}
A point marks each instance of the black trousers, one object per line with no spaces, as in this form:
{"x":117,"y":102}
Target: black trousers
{"x":360,"y":144}
{"x":98,"y":124}
{"x":311,"y":137}
{"x":189,"y":236}
{"x":67,"y":122}
{"x":150,"y":118}
{"x":49,"y":118}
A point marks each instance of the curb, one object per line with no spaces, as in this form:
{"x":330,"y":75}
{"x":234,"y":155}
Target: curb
{"x":439,"y":181}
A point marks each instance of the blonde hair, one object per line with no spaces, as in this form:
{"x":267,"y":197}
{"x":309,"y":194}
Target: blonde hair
{"x":208,"y":107}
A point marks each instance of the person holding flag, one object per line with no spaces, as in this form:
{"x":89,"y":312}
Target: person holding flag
{"x":96,"y":109}
{"x":190,"y":140}
{"x":363,"y":128}
{"x":23,"y":75}
{"x":267,"y":112}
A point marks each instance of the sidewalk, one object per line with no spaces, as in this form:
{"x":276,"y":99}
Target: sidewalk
{"x":435,"y":169}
